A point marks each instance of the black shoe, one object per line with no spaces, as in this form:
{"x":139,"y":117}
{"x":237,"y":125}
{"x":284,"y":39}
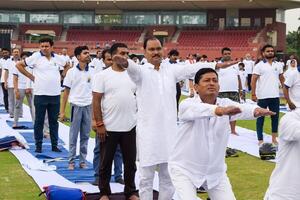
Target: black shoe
{"x":121,"y":181}
{"x":55,"y":149}
{"x":231,"y":153}
{"x":38,"y":150}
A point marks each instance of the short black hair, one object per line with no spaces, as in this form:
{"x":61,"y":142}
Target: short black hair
{"x":173,"y":52}
{"x":149,"y":39}
{"x":114,"y":48}
{"x":204,"y":56}
{"x":5,"y":49}
{"x":266,"y":46}
{"x":203,"y":71}
{"x":241,"y":64}
{"x":225,"y":49}
{"x":42,"y":40}
{"x":105,"y":51}
{"x":27,"y":54}
{"x":79,"y":49}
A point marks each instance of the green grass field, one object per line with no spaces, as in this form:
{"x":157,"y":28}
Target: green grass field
{"x":249,"y":175}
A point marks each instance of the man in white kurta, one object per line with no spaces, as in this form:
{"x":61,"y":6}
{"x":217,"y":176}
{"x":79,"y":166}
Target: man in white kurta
{"x":284,"y":181}
{"x":157,"y":115}
{"x":198,"y":157}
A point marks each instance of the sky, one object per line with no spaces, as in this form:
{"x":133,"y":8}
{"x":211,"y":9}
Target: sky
{"x":292,"y":19}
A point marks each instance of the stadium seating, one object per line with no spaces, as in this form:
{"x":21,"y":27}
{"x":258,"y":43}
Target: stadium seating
{"x":210,"y":38}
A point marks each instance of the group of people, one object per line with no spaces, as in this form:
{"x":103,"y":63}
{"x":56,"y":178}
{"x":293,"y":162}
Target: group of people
{"x":135,"y":111}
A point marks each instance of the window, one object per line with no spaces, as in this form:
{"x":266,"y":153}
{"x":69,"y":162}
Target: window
{"x":233,"y":22}
{"x":78,"y":19}
{"x":167,"y":19}
{"x":268,"y":20}
{"x":44,"y":18}
{"x":197,"y":19}
{"x":108,"y":19}
{"x":12,"y":17}
{"x":140,"y":19}
{"x":257,"y":22}
{"x":245,"y":22}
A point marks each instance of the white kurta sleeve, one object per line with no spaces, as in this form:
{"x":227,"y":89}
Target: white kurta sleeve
{"x":134,"y":71}
{"x":190,"y":110}
{"x":247,"y":110}
{"x":188,"y":71}
{"x":289,"y":128}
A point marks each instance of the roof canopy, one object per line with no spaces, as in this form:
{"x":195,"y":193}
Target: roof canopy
{"x":112,"y":5}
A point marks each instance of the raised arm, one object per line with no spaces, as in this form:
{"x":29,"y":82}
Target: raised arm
{"x":134,"y":71}
{"x":190,"y":110}
{"x":189,"y":70}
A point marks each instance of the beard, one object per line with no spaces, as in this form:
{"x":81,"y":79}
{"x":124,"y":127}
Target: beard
{"x":122,"y":64}
{"x":270,"y":56}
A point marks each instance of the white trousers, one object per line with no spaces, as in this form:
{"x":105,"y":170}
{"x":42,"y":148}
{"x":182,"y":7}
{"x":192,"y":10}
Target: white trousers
{"x":185,"y":189}
{"x":166,"y":189}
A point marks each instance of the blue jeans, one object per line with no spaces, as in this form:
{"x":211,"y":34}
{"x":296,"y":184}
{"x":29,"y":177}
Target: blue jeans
{"x":42,"y":104}
{"x":273,"y":105}
{"x":118,"y":160}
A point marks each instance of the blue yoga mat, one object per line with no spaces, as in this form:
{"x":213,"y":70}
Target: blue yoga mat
{"x":76,"y":175}
{"x":28,"y":125}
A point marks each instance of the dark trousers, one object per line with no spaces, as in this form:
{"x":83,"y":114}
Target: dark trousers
{"x":127,"y":142}
{"x":5,"y":96}
{"x":178,"y":94}
{"x":51,"y":104}
{"x":273,"y":105}
{"x":249,"y":77}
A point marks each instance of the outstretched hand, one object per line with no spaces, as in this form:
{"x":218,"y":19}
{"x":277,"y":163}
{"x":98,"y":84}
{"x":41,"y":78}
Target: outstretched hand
{"x":259,"y":112}
{"x":228,"y":110}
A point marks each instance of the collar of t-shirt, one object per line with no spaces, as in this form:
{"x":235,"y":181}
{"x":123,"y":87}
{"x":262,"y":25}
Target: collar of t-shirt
{"x":86,"y":67}
{"x":42,"y":54}
{"x":173,"y":62}
{"x":265,"y":60}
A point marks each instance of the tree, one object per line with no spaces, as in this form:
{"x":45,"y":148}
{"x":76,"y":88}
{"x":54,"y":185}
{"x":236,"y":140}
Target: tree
{"x":293,"y":42}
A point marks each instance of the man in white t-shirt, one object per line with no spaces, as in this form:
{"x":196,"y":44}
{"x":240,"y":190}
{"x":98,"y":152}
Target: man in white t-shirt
{"x":198,"y":156}
{"x":114,"y":107}
{"x":78,"y":90}
{"x":118,"y":161}
{"x":230,"y":83}
{"x":20,"y":85}
{"x":267,"y":75}
{"x":6,"y":56}
{"x":249,"y":65}
{"x":97,"y":64}
{"x":8,"y":80}
{"x":65,"y":56}
{"x":46,"y":77}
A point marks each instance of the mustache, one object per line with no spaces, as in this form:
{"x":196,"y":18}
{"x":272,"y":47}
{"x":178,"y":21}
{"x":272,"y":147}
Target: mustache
{"x":156,"y":55}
